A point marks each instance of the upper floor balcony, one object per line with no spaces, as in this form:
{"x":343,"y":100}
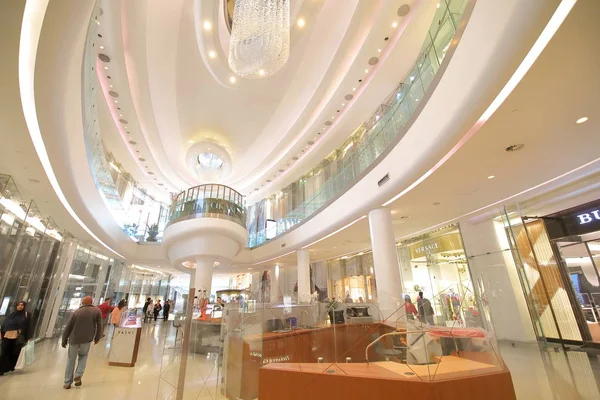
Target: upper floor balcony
{"x":208,"y":201}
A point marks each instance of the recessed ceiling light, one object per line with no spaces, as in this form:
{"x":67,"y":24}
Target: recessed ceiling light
{"x":366,"y":71}
{"x":343,"y":104}
{"x":394,"y":24}
{"x":581,"y":120}
{"x":190,"y":141}
{"x":207,"y":25}
{"x":116,"y":101}
{"x":101,"y":47}
{"x":491,"y":176}
{"x":212,"y":54}
{"x":232,"y":79}
{"x":105,"y":67}
{"x":111,"y":86}
{"x":301,"y":23}
{"x":261,"y":72}
{"x":379,"y":50}
{"x":354,"y":89}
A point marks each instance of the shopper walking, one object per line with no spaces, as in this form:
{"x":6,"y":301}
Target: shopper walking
{"x":84,"y":326}
{"x":15,"y":333}
{"x":147,"y":310}
{"x":115,"y":318}
{"x":105,"y":308}
{"x":409,"y":307}
{"x":166,"y":310}
{"x":157,"y":309}
{"x":425,"y":310}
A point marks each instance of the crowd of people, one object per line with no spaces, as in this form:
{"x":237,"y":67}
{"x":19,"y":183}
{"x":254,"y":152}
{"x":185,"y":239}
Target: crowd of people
{"x":86,"y":325}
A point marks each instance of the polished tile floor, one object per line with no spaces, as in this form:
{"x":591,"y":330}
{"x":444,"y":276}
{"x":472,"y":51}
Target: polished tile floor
{"x":536,"y":374}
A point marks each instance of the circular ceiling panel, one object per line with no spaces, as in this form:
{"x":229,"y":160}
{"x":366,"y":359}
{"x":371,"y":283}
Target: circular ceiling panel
{"x":209,"y":161}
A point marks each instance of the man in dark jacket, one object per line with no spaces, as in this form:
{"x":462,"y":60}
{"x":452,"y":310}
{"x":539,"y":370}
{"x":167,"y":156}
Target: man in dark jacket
{"x":84,"y":326}
{"x":166,"y":310}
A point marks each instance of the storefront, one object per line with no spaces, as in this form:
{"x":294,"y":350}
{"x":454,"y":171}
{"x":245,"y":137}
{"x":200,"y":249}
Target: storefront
{"x":435,"y":264}
{"x":351,"y":279}
{"x":561,"y":252}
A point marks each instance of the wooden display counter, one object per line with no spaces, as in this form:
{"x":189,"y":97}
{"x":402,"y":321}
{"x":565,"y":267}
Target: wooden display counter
{"x":454,"y":377}
{"x":327,"y":344}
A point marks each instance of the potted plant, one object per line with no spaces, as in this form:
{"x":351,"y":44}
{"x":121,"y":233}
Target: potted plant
{"x":152,"y":233}
{"x":130,"y":229}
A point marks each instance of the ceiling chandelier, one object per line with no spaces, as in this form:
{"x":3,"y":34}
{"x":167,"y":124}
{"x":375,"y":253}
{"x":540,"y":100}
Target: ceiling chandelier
{"x":210,"y":161}
{"x":260,"y":37}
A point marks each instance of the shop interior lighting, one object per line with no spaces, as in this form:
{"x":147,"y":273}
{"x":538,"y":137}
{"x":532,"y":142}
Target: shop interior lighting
{"x":581,"y":120}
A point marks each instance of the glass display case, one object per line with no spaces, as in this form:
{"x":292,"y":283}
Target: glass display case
{"x":312,"y":342}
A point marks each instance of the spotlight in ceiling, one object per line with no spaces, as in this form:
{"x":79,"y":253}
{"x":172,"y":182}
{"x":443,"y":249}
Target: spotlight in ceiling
{"x":190,"y":141}
{"x":301,"y":23}
{"x":261,"y":72}
{"x":366,"y":71}
{"x":101,"y":47}
{"x":581,"y":120}
{"x":394,"y":24}
{"x":105,"y":67}
{"x":491,"y":176}
{"x":354,"y":89}
{"x":232,"y":79}
{"x":379,"y":50}
{"x":212,"y":54}
{"x":207,"y":26}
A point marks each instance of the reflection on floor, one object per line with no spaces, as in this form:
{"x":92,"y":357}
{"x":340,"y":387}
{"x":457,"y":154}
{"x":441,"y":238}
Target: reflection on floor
{"x":536,"y":375}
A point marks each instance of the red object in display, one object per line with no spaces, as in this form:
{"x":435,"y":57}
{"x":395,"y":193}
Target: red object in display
{"x":457,"y":332}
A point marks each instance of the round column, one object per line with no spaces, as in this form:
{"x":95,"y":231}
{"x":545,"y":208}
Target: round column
{"x":387,"y":268}
{"x":275,"y":292}
{"x":203,"y":275}
{"x":303,"y":276}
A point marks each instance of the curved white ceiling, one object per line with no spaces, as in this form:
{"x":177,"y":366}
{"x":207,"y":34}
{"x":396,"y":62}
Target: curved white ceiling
{"x":178,"y":92}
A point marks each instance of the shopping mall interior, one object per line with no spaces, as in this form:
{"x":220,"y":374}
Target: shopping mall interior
{"x":290,"y":199}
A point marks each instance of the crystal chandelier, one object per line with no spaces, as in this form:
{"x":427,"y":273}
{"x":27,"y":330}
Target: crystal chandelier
{"x":260,"y":37}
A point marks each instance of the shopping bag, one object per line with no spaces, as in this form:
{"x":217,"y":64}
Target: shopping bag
{"x":29,"y":352}
{"x":21,"y":361}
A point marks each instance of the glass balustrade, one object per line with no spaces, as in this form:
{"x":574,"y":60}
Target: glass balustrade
{"x":141,"y":216}
{"x":366,"y":146}
{"x":213,"y":201}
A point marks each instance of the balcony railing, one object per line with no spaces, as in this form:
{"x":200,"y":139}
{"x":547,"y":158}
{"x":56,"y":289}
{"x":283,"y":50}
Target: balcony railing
{"x":368,"y":144}
{"x":208,"y":201}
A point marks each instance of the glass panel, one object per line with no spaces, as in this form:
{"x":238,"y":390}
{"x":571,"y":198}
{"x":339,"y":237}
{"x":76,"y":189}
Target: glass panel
{"x":583,"y":273}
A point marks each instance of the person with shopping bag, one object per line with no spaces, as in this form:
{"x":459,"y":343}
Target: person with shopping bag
{"x":15,"y":334}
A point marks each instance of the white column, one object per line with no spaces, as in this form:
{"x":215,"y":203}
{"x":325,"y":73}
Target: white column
{"x":303,"y":276}
{"x":101,"y":280}
{"x":203,"y":275}
{"x":275,"y":290}
{"x":387,"y":269}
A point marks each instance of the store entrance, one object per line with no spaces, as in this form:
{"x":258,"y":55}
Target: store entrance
{"x":580,"y":261}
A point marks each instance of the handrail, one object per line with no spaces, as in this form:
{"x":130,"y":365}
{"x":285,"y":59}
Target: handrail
{"x":386,"y":335}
